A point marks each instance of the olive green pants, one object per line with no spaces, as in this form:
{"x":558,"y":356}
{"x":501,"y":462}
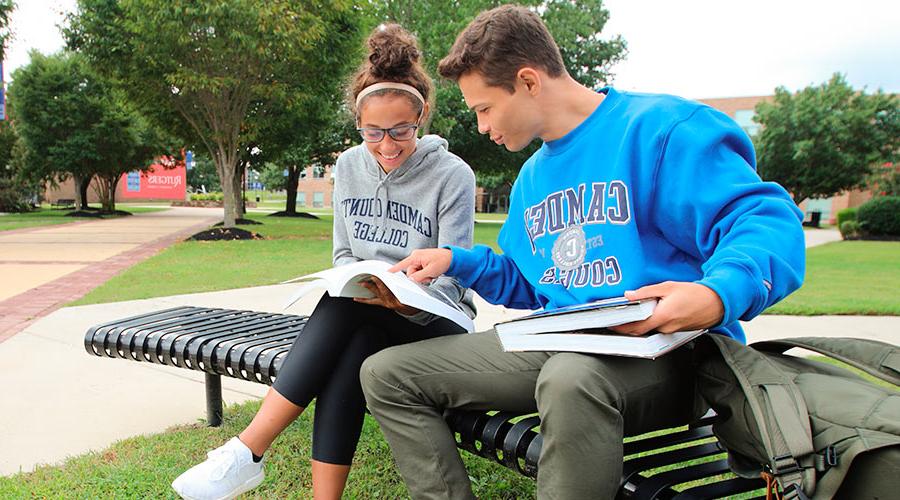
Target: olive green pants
{"x":586,"y":403}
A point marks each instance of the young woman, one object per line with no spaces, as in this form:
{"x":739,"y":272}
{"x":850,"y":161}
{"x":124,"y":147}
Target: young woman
{"x":393,"y":194}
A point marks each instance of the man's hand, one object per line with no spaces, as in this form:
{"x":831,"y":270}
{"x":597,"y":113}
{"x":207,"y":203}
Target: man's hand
{"x":384,"y":297}
{"x":682,"y":306}
{"x":422,"y":266}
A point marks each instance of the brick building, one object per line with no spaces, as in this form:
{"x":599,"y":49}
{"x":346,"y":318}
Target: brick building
{"x":315,"y":189}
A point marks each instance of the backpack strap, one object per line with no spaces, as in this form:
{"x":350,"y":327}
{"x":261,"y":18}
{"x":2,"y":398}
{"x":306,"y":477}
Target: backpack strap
{"x":876,"y":358}
{"x":780,"y":412}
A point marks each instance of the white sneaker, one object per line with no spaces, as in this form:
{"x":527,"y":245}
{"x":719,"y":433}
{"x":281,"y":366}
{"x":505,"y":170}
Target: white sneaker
{"x":228,"y":472}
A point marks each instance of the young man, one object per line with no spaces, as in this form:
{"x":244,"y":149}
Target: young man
{"x":630,"y":194}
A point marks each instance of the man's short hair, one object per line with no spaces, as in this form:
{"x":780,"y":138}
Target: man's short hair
{"x":500,"y":42}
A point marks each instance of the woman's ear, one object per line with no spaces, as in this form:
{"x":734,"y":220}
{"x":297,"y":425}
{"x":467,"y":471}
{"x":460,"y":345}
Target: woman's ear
{"x":426,"y":109}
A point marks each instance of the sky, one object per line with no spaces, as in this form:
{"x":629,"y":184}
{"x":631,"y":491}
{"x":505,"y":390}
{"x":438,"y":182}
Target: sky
{"x":693,"y":48}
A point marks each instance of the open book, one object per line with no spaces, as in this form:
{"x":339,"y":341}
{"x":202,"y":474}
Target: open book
{"x":344,"y":281}
{"x":583,"y":328}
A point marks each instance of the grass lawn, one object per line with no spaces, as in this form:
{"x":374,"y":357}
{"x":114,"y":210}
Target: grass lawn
{"x":848,"y":277}
{"x":45,"y":216}
{"x":495,"y":217}
{"x":144,"y":467}
{"x":293,"y":247}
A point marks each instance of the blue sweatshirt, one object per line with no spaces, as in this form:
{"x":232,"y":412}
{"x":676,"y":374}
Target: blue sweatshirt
{"x":649,"y":188}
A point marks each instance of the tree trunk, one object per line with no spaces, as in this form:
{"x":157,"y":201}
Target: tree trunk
{"x":238,"y":183}
{"x":81,"y":188}
{"x":291,"y":189}
{"x":226,"y":170}
{"x":101,"y":187}
{"x":108,"y":192}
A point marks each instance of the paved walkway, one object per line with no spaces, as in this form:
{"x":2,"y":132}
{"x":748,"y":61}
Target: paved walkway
{"x":45,"y":267}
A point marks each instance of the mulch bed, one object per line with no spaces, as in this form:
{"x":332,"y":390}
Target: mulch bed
{"x":304,"y":215}
{"x":240,"y":222}
{"x":224,"y":234}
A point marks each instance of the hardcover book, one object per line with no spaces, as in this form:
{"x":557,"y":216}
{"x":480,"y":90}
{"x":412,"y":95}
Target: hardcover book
{"x":598,"y":314}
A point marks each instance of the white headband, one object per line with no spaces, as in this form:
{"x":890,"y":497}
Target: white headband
{"x":388,"y":85}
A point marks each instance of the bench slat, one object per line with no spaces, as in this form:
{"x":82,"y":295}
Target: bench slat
{"x":660,"y":485}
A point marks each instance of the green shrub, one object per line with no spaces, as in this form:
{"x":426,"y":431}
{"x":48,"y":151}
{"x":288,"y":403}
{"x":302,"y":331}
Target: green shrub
{"x":880,"y":216}
{"x":845,"y":215}
{"x":11,"y":197}
{"x":206,"y":197}
{"x":850,"y":230}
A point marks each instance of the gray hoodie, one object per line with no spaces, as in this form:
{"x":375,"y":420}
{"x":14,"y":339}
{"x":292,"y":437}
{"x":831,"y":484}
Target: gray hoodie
{"x":427,"y":202}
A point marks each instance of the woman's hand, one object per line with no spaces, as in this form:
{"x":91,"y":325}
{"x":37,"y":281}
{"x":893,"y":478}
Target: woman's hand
{"x":384,"y":297}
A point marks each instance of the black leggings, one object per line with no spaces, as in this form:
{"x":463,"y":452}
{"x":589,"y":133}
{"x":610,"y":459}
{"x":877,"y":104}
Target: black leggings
{"x":324,"y":363}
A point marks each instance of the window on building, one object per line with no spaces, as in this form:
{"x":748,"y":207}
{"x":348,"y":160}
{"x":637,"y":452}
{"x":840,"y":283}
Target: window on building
{"x":318,"y":171}
{"x":318,"y":199}
{"x":744,"y":118}
{"x":301,"y":199}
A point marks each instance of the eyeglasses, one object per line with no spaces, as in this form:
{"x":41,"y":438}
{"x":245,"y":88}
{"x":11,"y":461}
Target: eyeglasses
{"x":401,"y":133}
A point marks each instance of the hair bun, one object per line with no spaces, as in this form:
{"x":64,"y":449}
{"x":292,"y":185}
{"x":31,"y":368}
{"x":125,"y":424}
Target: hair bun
{"x":392,"y":52}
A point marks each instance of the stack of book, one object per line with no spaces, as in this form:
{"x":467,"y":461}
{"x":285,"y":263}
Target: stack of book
{"x":585,"y":328}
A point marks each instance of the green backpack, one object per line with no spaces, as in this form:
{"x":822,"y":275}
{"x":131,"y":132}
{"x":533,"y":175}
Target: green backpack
{"x":800,"y":423}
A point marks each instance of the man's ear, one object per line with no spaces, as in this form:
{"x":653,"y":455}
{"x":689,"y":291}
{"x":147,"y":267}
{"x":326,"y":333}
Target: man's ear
{"x":530,"y":79}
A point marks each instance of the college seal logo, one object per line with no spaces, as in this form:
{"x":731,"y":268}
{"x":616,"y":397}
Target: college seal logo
{"x":569,"y":248}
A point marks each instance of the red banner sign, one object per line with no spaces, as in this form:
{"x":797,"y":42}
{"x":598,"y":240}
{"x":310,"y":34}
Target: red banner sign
{"x":158,"y":183}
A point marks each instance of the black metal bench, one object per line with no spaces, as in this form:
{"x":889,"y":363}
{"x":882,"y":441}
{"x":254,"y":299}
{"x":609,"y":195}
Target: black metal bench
{"x":63,"y":203}
{"x":251,"y":345}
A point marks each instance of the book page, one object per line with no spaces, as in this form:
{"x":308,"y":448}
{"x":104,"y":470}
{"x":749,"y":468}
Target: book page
{"x":344,"y":281}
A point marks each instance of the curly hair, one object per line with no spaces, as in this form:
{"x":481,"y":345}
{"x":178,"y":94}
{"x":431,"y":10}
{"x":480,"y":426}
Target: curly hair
{"x":393,"y":56}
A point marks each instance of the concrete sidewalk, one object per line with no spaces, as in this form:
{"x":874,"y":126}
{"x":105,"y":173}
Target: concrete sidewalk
{"x":67,"y":402}
{"x":45,"y":267}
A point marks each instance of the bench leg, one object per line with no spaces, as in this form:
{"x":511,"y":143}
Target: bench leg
{"x":213,"y":399}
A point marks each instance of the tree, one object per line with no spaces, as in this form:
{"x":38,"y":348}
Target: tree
{"x":272,"y":177}
{"x":11,"y":193}
{"x":6,"y":9}
{"x":203,"y":176}
{"x":577,"y":28}
{"x":125,"y":142}
{"x":314,"y":128}
{"x":55,"y":111}
{"x":310,"y":134}
{"x":73,"y":124}
{"x":201,"y":68}
{"x":825,"y":139}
